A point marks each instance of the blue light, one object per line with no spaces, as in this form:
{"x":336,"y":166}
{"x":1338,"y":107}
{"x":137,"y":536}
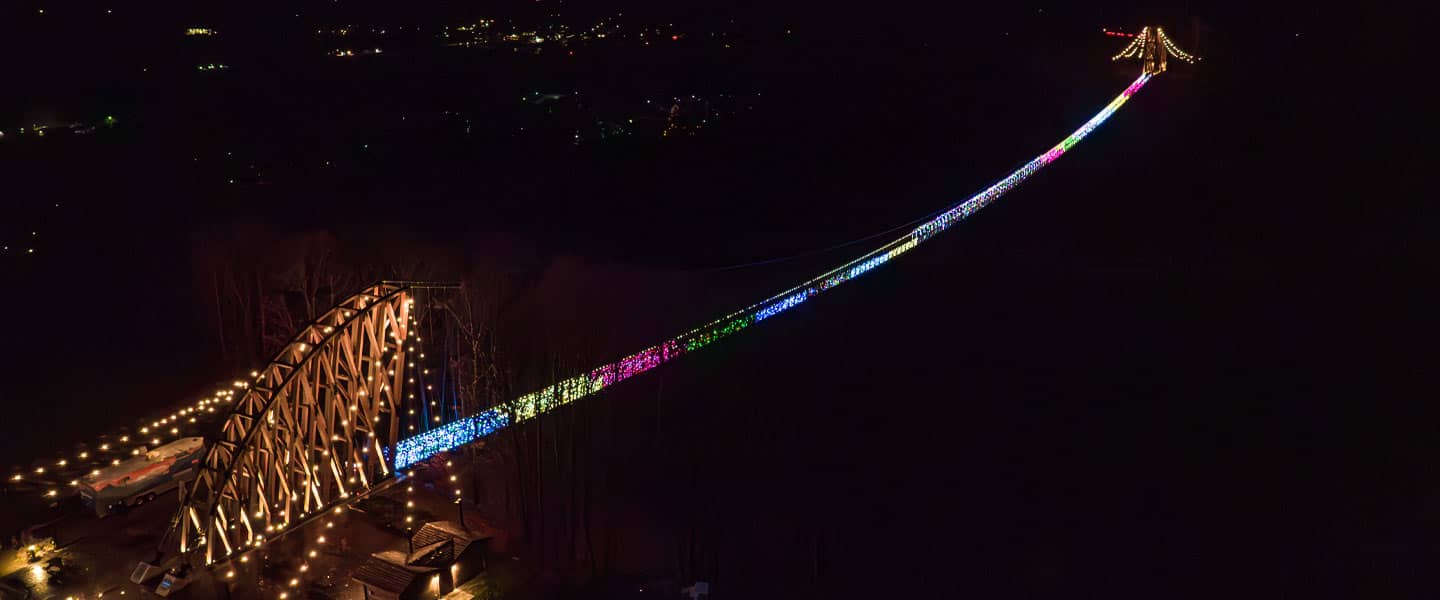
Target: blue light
{"x":449,"y":436}
{"x":786,"y":304}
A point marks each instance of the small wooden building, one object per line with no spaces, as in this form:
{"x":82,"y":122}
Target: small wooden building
{"x":388,"y":576}
{"x":444,"y":554}
{"x":462,"y":550}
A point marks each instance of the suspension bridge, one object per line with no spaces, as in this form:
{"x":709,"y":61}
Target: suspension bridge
{"x":321,"y":423}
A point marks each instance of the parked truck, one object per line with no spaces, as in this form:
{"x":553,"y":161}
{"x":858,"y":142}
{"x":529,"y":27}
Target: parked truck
{"x":144,"y":477}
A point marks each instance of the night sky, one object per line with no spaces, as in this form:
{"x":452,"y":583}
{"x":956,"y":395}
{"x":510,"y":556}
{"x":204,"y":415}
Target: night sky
{"x":1189,"y":357}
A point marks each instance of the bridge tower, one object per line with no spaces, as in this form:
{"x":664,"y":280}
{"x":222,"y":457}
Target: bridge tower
{"x":311,"y":430}
{"x":1153,"y":55}
{"x":1153,"y":48}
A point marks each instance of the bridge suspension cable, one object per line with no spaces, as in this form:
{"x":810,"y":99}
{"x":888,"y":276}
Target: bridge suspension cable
{"x":415,"y":449}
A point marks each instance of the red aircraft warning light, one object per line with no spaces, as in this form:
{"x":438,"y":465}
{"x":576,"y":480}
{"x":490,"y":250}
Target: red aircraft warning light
{"x":1117,"y":33}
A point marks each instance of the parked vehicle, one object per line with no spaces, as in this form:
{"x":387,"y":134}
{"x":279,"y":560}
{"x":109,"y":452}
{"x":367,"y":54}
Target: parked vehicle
{"x":175,"y":579}
{"x":142,"y":478}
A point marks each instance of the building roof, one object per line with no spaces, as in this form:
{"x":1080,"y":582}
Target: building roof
{"x":437,"y":554}
{"x":387,"y":571}
{"x":437,"y":531}
{"x":153,"y":463}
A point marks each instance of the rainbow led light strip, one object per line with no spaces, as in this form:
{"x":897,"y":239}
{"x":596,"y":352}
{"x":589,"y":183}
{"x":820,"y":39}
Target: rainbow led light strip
{"x":452,"y":435}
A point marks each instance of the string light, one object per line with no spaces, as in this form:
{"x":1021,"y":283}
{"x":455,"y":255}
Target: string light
{"x":452,"y":435}
{"x":1136,"y":45}
{"x":1172,"y":48}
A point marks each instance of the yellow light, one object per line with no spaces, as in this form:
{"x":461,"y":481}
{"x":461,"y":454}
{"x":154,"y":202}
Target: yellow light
{"x":294,"y":582}
{"x":312,"y":554}
{"x":320,"y":540}
{"x":245,"y":558}
{"x":229,"y":574}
